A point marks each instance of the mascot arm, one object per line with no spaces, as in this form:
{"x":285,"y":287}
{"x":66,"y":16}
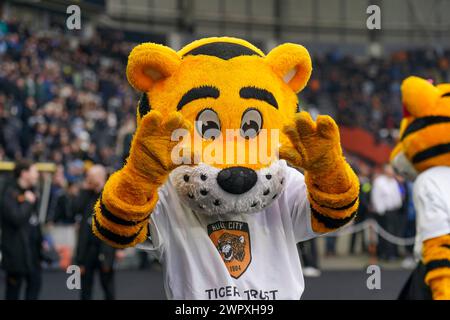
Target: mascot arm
{"x":436,"y":257}
{"x":333,"y":187}
{"x":122,"y":212}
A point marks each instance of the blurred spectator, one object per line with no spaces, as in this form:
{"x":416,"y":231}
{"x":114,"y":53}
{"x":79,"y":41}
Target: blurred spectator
{"x":410,"y":228}
{"x":59,"y":210}
{"x":386,"y":200}
{"x":92,"y":254}
{"x":330,"y":246}
{"x":364,"y":207}
{"x":22,"y":242}
{"x":309,"y":258}
{"x":401,"y":217}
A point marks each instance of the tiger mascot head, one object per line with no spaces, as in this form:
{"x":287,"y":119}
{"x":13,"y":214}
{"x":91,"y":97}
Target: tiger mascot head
{"x":238,"y":100}
{"x":424,"y":139}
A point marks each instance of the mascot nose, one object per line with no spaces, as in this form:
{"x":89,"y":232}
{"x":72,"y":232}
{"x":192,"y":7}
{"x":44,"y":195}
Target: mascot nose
{"x":237,"y":180}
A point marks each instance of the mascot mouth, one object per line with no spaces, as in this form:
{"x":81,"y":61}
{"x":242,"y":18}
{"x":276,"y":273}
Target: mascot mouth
{"x":212,"y":191}
{"x":403,"y":167}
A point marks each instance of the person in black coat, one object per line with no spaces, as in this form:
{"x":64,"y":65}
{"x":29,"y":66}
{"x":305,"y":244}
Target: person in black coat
{"x":363,"y":210}
{"x":21,"y":234}
{"x":92,"y":254}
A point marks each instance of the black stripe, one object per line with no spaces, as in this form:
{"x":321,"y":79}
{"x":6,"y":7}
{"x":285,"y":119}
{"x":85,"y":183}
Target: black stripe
{"x":446,"y":95}
{"x":111,"y":217}
{"x":259,"y":94}
{"x":113,"y":237}
{"x":149,"y":236}
{"x":144,"y":105}
{"x":331,"y":223}
{"x":222,"y":50}
{"x":431,"y":152}
{"x":198,"y":93}
{"x":348,"y":206}
{"x":446,"y":246}
{"x":435,"y":264}
{"x":422,"y":123}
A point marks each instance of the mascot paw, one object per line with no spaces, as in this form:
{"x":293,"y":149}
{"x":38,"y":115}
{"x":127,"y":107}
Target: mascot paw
{"x":313,"y":146}
{"x":151,"y":148}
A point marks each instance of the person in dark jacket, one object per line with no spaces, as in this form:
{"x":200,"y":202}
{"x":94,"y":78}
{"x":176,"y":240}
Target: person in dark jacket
{"x":92,"y":254}
{"x":363,"y":210}
{"x":21,"y":234}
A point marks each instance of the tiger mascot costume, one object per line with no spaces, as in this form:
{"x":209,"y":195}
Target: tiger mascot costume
{"x":423,"y":155}
{"x":190,"y":205}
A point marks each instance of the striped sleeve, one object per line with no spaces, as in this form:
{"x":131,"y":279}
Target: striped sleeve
{"x":121,"y":213}
{"x":436,"y":257}
{"x":331,"y":211}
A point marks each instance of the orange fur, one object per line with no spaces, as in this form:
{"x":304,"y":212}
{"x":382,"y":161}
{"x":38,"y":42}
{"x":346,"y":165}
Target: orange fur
{"x":438,"y":249}
{"x":165,"y":75}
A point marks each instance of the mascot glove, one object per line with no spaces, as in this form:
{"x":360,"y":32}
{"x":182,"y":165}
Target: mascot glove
{"x":150,"y":154}
{"x":315,"y":147}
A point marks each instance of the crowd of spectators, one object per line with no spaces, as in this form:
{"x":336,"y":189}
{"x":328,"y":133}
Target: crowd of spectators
{"x":64,"y":100}
{"x":366,"y":92}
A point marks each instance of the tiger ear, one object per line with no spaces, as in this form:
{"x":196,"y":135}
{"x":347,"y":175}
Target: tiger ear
{"x":292,"y":63}
{"x":418,"y":96}
{"x":149,"y":63}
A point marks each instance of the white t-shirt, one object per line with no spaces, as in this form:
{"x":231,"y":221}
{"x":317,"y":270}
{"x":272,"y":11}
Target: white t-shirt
{"x":385,"y":195}
{"x":432,"y":203}
{"x":260,"y":249}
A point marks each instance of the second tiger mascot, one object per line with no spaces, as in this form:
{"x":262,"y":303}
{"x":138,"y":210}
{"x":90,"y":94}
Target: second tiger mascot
{"x":226,"y":225}
{"x":423,"y":155}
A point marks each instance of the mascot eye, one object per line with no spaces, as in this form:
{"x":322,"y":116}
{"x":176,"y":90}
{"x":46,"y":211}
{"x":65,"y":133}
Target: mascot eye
{"x":251,"y":123}
{"x":208,"y":124}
